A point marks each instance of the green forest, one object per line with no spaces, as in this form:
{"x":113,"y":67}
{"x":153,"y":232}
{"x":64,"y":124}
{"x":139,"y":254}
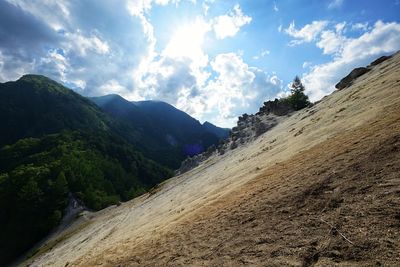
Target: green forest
{"x":37,"y":174}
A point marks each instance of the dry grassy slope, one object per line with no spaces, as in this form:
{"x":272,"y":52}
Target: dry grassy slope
{"x":290,"y":198}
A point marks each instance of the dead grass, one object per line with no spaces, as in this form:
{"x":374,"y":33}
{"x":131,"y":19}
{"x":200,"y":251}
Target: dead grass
{"x":334,"y":204}
{"x":322,"y":188}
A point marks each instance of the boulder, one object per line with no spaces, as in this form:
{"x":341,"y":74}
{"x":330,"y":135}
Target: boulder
{"x":348,"y":80}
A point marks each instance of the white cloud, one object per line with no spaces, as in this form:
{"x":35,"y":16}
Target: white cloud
{"x":262,"y":54}
{"x":187,"y":41}
{"x":237,"y":88}
{"x":340,"y":27}
{"x":276,"y":9}
{"x":229,"y":25}
{"x":112,"y":87}
{"x":335,"y":4}
{"x":360,"y":26}
{"x":80,"y":43}
{"x":79,"y":83}
{"x":12,"y":69}
{"x":383,"y":38}
{"x":56,"y":63}
{"x":331,"y":42}
{"x":180,"y":66}
{"x":206,"y":6}
{"x":306,"y":34}
{"x":306,"y":64}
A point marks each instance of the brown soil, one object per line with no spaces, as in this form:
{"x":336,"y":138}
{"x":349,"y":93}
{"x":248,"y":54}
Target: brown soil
{"x":337,"y":203}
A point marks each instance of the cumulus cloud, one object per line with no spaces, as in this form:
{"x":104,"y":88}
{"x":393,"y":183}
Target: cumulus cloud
{"x":229,"y":25}
{"x":180,"y":66}
{"x":306,"y":34}
{"x":59,"y":39}
{"x":81,"y":44}
{"x":333,"y":41}
{"x":383,"y":38}
{"x":237,"y":88}
{"x":183,"y":75}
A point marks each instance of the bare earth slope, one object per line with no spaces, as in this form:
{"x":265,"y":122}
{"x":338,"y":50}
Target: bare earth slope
{"x":322,"y":188}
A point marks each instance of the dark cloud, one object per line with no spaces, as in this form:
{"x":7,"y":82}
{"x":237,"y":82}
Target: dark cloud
{"x":21,"y":30}
{"x":23,"y":40}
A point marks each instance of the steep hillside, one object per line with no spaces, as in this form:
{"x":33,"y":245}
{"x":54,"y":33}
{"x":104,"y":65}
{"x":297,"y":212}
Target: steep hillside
{"x":164,"y":133}
{"x":321,"y":188}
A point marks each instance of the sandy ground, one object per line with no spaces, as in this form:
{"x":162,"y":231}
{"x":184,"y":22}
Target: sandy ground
{"x":321,"y":188}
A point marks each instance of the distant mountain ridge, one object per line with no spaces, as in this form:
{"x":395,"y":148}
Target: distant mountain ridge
{"x":163,"y":132}
{"x":222,"y":133}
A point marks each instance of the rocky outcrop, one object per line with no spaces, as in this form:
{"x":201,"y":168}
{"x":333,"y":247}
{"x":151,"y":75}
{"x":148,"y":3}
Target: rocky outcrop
{"x":248,"y":128}
{"x":357,"y":72}
{"x":348,"y":80}
{"x":276,"y":107}
{"x":378,"y":61}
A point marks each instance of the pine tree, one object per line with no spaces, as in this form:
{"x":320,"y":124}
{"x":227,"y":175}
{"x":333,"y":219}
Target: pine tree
{"x":298,"y":99}
{"x":297,"y":85}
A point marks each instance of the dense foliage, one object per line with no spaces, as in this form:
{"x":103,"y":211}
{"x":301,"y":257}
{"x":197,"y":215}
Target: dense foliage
{"x":36,"y":175}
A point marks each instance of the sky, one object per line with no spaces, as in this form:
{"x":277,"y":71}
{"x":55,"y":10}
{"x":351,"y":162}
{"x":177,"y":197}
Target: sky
{"x":213,"y":59}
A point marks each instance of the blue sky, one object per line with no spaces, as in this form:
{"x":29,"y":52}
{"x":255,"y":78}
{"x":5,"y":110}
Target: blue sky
{"x":213,"y":59}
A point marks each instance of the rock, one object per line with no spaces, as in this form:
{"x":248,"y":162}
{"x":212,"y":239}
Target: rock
{"x":276,"y":107}
{"x":348,"y":80}
{"x":378,"y":61}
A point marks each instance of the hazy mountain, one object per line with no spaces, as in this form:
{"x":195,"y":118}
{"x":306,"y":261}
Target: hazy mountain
{"x":164,"y":133}
{"x":218,"y":131}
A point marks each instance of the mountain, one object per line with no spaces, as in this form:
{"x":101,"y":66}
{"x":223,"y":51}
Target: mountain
{"x":55,"y":143}
{"x":178,"y":125}
{"x":319,"y":188}
{"x":35,"y":105}
{"x":162,"y":132}
{"x":222,"y":133}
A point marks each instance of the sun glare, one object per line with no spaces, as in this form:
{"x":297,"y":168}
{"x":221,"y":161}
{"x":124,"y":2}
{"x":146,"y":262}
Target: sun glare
{"x":187,"y":40}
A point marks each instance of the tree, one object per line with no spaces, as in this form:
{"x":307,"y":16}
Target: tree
{"x":298,"y":99}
